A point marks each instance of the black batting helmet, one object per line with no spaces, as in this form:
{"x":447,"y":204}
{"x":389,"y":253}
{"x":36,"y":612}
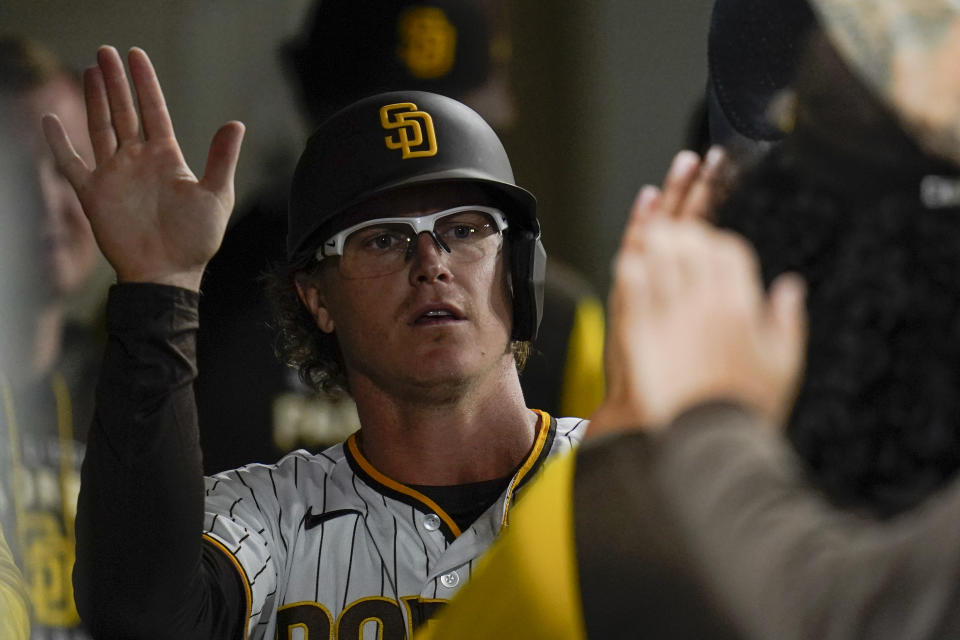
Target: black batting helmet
{"x":403,"y":138}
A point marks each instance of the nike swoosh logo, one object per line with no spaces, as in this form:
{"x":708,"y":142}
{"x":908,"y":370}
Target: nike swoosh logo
{"x":310,"y":520}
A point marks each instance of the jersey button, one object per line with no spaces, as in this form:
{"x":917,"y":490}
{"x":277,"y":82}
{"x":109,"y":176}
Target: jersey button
{"x":431,"y":522}
{"x":450,"y":580}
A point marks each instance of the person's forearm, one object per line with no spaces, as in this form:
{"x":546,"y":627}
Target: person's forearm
{"x":139,"y":571}
{"x":788,"y":564}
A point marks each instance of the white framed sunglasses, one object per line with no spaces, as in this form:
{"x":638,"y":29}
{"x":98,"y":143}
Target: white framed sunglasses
{"x":384,"y":245}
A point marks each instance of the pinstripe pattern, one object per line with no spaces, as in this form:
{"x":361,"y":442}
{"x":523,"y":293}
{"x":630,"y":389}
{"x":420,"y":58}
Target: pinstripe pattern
{"x":311,"y":529}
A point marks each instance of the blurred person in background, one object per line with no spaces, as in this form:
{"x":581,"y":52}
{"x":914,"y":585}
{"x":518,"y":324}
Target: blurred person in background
{"x":48,"y":363}
{"x":14,"y":610}
{"x":859,"y":208}
{"x":349,"y":49}
{"x":845,"y":202}
{"x":14,"y":607}
{"x":872,"y":454}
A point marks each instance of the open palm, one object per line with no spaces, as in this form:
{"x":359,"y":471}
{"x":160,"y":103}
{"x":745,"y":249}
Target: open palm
{"x":153,"y":219}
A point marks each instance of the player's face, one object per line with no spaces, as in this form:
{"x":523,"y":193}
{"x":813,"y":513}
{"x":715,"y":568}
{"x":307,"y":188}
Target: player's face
{"x":60,"y":251}
{"x":430,"y":327}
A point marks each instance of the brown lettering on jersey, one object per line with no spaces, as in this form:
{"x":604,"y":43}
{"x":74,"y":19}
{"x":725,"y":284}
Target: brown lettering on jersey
{"x":420,"y":610}
{"x":384,"y":613}
{"x":312,"y":621}
{"x":311,"y":617}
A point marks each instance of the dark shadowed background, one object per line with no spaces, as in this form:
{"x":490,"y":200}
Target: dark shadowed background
{"x":604,"y":91}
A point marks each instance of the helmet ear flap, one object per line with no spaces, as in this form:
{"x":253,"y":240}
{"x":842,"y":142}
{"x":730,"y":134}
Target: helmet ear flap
{"x":528,"y":268}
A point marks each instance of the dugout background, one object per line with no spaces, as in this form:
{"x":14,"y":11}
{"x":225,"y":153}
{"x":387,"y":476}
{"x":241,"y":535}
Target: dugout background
{"x":604,"y":91}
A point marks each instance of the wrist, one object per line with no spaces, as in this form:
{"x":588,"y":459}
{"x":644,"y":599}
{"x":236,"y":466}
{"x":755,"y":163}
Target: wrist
{"x":189,"y":280}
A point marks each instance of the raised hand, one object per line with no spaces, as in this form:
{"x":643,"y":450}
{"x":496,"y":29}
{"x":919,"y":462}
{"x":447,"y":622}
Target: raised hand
{"x":689,"y":321}
{"x":153,"y":219}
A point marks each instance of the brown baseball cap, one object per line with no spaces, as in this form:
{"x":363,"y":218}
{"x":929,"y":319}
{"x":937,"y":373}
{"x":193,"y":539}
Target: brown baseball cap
{"x":908,"y":52}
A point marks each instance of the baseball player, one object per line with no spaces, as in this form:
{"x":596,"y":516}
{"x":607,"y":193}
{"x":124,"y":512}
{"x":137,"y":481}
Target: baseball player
{"x":413,"y":279}
{"x":346,"y":50}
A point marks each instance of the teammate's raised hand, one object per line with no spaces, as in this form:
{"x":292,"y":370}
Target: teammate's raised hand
{"x":689,"y":322}
{"x":153,"y":219}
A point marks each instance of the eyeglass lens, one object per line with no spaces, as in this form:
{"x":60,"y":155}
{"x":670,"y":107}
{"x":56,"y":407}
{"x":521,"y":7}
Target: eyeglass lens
{"x":380,"y":249}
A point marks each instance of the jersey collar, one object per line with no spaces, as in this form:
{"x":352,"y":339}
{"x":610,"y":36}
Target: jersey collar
{"x":546,"y":430}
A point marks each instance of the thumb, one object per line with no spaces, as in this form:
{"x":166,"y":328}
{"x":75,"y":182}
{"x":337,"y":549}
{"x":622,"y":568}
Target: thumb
{"x":222,"y":159}
{"x":68,"y":160}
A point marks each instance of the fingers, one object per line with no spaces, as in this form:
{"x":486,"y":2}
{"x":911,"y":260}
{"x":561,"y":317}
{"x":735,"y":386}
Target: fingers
{"x":702,"y":194}
{"x":646,"y":205}
{"x":692,"y":187}
{"x":680,"y":256}
{"x":787,"y":312}
{"x":222,"y":159}
{"x":683,"y":171}
{"x":67,"y":158}
{"x":645,"y":208}
{"x":153,"y":107}
{"x":111,"y":117}
{"x":786,"y":340}
{"x":689,"y":192}
{"x":665,"y":257}
{"x":99,"y":125}
{"x":122,"y":112}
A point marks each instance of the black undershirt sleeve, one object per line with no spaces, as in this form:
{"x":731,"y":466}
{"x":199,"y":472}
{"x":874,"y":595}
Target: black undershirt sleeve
{"x":142,"y":570}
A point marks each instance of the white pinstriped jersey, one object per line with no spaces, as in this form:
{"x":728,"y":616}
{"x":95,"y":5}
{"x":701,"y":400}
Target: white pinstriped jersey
{"x":330,"y":547}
